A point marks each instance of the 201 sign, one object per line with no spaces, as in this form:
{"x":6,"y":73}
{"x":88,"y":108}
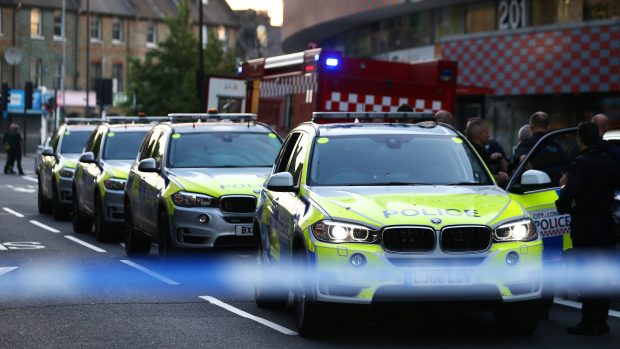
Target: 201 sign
{"x":512,"y":14}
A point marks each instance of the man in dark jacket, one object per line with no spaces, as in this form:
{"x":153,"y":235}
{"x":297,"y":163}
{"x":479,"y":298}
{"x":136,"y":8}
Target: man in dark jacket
{"x":587,"y":196}
{"x":540,"y":124}
{"x":13,"y":140}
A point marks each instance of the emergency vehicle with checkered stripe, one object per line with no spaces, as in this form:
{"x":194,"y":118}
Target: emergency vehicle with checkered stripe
{"x":375,"y":208}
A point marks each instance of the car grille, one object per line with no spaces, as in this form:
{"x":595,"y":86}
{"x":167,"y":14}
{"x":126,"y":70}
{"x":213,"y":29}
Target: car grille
{"x":465,"y":239}
{"x":409,"y":239}
{"x":238,"y":204}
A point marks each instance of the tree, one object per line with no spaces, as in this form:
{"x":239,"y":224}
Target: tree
{"x":165,"y":81}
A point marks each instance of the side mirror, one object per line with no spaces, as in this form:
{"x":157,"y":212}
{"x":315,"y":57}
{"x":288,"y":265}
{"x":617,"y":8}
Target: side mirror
{"x":47,"y":151}
{"x":88,"y":157}
{"x":281,"y":182}
{"x":147,"y":165}
{"x":535,"y":178}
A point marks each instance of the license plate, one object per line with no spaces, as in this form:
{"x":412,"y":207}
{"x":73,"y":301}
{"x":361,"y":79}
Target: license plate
{"x":441,"y":277}
{"x":243,"y":230}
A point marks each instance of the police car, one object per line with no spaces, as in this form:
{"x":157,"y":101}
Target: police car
{"x":102,"y":171}
{"x":195,"y":182}
{"x":55,"y":175}
{"x":367,"y":213}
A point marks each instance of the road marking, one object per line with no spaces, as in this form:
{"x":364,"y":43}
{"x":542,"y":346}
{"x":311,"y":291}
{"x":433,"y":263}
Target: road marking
{"x":577,"y":305}
{"x":14,"y":213}
{"x":39,"y":224}
{"x":85,"y":244}
{"x":149,"y":272}
{"x":247,"y":315}
{"x":4,"y":270}
{"x":30,"y":179}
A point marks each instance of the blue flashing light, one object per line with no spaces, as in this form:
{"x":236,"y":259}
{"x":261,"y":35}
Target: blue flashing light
{"x":332,"y":62}
{"x":239,"y":69}
{"x":316,"y":58}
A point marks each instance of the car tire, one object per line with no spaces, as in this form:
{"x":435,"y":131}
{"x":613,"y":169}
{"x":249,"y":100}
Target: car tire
{"x":81,"y":223}
{"x":43,"y":204}
{"x":59,"y":211}
{"x":308,"y":316}
{"x":518,"y":318}
{"x":102,"y":228}
{"x":134,"y":245}
{"x":268,"y":292}
{"x":166,"y":247}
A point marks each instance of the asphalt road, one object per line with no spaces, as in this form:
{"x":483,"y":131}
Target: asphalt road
{"x":59,"y":289}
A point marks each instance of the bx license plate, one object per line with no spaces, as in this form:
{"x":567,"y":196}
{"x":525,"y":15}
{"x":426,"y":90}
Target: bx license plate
{"x":441,"y":277}
{"x":243,"y":230}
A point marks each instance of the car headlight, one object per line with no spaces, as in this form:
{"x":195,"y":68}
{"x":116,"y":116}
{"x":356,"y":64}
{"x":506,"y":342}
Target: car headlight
{"x":191,"y":200}
{"x":523,"y":230}
{"x":335,"y":232}
{"x":66,"y":172}
{"x":114,"y":184}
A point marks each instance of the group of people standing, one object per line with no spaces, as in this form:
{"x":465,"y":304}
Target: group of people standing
{"x":12,"y":142}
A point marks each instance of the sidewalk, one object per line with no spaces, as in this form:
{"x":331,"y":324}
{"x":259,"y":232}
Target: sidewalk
{"x":27,"y":163}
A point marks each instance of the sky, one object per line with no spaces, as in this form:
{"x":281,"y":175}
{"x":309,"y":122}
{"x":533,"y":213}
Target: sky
{"x":274,"y":7}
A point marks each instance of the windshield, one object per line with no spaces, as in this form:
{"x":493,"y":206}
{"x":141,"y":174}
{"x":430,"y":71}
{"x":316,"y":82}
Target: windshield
{"x":123,"y":145}
{"x":223,"y":149}
{"x":73,"y":142}
{"x":403,"y":159}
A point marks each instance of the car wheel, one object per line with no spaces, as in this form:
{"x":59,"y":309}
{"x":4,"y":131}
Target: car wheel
{"x":81,"y":223}
{"x":268,"y":292}
{"x":43,"y":204}
{"x":307,"y":311}
{"x":520,"y":318}
{"x":59,"y":211}
{"x":134,"y":245}
{"x":102,"y":228}
{"x":166,"y":247}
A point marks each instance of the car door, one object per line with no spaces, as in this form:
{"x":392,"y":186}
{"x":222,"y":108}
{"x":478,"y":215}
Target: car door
{"x":154,"y":185}
{"x":135,"y":183}
{"x":551,"y":156}
{"x":277,"y":220}
{"x":92,"y":172}
{"x":80,"y":175}
{"x":48,"y":164}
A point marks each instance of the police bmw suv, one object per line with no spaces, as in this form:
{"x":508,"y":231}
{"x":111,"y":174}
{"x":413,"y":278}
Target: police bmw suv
{"x":55,"y":193}
{"x":102,"y":171}
{"x":367,"y":213}
{"x":195,"y":182}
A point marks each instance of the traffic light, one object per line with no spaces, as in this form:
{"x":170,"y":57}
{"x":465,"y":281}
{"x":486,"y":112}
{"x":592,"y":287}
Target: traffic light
{"x":28,"y":91}
{"x":6,"y":96}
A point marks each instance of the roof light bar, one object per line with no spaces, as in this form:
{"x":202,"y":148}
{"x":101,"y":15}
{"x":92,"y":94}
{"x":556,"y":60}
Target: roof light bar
{"x":233,"y":117}
{"x":83,"y":121}
{"x":135,"y":119}
{"x":415,"y":116}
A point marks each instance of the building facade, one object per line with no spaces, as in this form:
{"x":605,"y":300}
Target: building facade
{"x":514,"y":56}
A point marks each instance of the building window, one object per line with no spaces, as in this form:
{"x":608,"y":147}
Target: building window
{"x":205,"y":36}
{"x":36,"y":70}
{"x":117,"y":77}
{"x":96,"y":72}
{"x":95,"y":28}
{"x":555,"y":11}
{"x":222,"y":33}
{"x":151,"y":34}
{"x":422,"y":30}
{"x":35,"y":23}
{"x":117,"y":30}
{"x":58,"y":24}
{"x":450,"y":21}
{"x":481,"y":17}
{"x":601,"y":9}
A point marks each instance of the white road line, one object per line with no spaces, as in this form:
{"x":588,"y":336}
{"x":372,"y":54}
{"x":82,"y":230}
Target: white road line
{"x":30,"y":179}
{"x":39,"y":224}
{"x":5,"y":270}
{"x":149,"y":272}
{"x":246,"y":315}
{"x":577,"y":305}
{"x":14,"y":213}
{"x":85,"y":244}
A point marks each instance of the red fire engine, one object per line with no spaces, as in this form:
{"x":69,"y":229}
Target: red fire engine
{"x":285,"y":90}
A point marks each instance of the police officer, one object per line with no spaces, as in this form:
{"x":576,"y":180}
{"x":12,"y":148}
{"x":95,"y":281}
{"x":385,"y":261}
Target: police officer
{"x":477,"y":133}
{"x":587,"y":195}
{"x":540,"y":124}
{"x":602,"y":121}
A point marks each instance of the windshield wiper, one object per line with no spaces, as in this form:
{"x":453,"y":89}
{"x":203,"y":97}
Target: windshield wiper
{"x":468,"y":183}
{"x":386,"y":183}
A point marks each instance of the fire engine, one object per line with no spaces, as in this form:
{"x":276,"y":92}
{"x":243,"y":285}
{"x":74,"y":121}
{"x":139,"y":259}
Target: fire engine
{"x":285,"y":90}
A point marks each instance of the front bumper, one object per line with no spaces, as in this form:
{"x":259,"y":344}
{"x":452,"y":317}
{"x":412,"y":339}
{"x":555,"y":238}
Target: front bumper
{"x":65,"y":190}
{"x":222,"y":229}
{"x":112,"y":206}
{"x":440,"y":277}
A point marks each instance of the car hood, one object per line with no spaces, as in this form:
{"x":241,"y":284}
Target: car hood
{"x":69,"y":160}
{"x":117,"y":168}
{"x":221,"y":181}
{"x":435,"y":206}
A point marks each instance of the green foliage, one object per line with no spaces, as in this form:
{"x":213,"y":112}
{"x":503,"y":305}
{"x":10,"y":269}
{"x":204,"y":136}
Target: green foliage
{"x":165,"y":81}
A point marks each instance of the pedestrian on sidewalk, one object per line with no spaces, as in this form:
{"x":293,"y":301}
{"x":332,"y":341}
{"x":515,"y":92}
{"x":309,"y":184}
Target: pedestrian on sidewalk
{"x":587,"y":195}
{"x":13,"y":143}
